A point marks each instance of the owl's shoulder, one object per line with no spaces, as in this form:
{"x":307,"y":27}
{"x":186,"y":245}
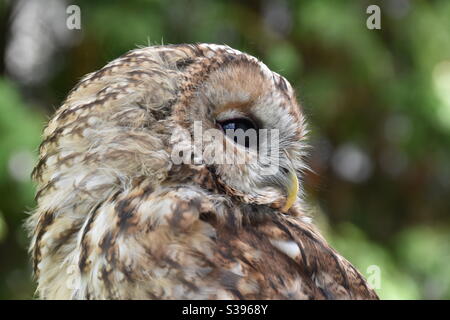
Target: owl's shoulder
{"x":242,"y":251}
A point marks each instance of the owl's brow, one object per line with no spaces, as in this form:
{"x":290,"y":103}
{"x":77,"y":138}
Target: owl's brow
{"x":240,"y":106}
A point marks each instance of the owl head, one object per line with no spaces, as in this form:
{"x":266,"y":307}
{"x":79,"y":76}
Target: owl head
{"x":158,"y":110}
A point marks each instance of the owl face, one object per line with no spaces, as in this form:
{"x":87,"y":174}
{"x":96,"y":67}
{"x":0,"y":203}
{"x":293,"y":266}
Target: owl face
{"x":255,"y":132}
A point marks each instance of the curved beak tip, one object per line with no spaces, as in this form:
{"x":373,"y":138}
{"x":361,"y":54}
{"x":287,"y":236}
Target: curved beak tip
{"x":292,"y":191}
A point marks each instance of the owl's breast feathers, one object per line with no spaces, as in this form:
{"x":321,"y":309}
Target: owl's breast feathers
{"x":185,"y":241}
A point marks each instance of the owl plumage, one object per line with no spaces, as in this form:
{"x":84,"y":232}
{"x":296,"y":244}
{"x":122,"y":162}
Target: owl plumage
{"x":116,"y":218}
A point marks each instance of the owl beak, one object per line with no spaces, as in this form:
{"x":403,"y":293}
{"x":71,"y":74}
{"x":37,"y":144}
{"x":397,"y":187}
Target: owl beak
{"x":292,"y":191}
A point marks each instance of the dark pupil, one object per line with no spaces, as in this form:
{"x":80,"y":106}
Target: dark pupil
{"x":235,"y":124}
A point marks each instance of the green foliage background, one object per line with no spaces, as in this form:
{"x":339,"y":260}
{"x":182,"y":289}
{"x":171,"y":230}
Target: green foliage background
{"x":384,"y":92}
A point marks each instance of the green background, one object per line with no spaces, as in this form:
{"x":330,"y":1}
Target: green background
{"x":378,"y":103}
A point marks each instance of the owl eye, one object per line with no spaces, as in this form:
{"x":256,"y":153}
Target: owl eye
{"x":230,"y":127}
{"x":235,"y":124}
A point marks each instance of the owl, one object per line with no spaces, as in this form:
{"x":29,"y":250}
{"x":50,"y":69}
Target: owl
{"x":137,"y":197}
